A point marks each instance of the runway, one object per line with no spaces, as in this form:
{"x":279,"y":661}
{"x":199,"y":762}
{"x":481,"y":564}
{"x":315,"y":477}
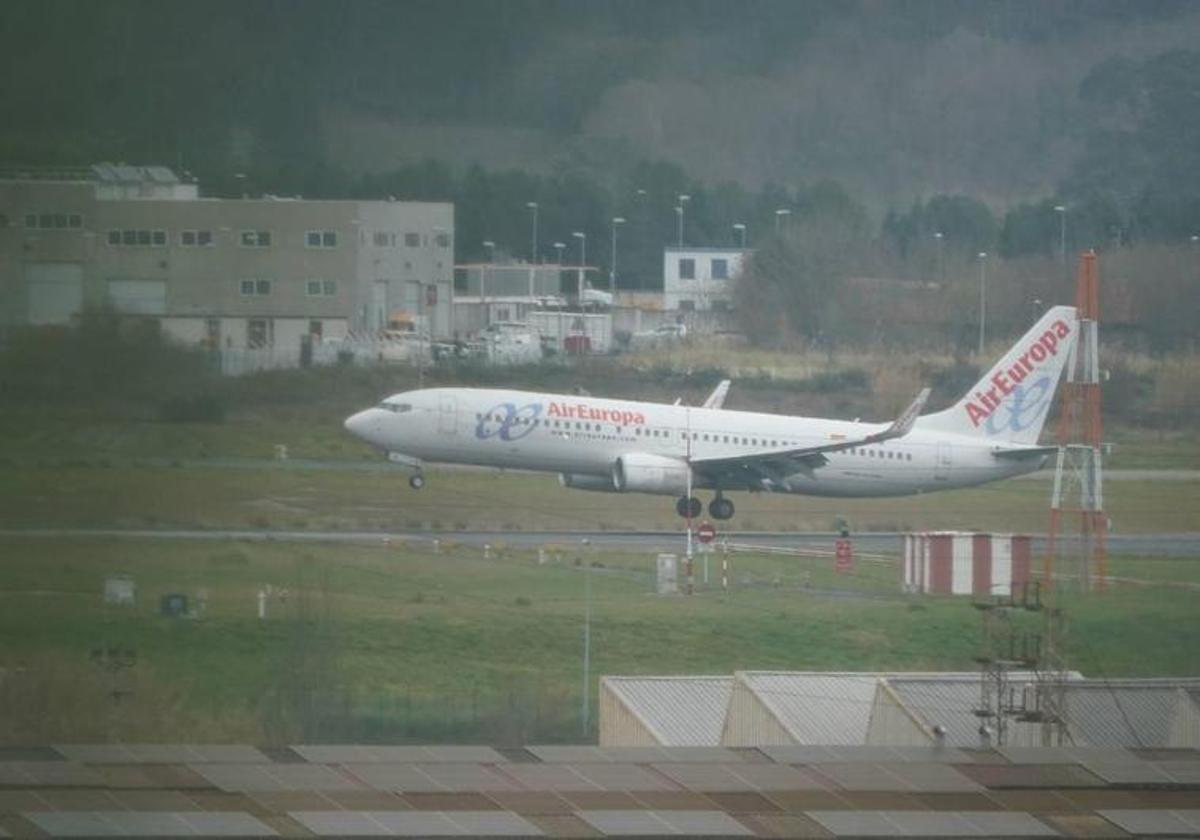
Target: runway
{"x":876,"y":542}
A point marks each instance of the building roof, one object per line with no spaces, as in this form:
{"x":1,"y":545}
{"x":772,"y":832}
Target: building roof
{"x":348,"y":790}
{"x":120,"y":173}
{"x":678,"y":711}
{"x":1119,"y":713}
{"x":816,"y":708}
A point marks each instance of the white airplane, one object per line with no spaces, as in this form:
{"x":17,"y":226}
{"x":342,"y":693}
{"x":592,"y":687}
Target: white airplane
{"x":622,"y":446}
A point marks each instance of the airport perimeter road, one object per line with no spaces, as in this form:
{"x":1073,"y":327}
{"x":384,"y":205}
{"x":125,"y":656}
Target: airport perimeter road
{"x":878,"y":542}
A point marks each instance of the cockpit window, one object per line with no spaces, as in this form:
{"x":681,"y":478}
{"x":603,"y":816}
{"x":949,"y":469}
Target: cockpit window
{"x":397,"y":408}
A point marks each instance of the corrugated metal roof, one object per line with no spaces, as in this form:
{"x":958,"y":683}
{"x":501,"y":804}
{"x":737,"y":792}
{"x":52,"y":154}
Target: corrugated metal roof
{"x":1100,"y":712}
{"x":834,"y":708}
{"x":680,"y":711}
{"x":1123,"y":713}
{"x":818,"y":708}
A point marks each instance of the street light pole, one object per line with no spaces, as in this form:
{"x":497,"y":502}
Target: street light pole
{"x":582,"y":237}
{"x":612,"y":268}
{"x":941,"y":266}
{"x":1061,"y":210}
{"x":741,"y":232}
{"x":779,"y":214}
{"x":683,"y":200}
{"x":533,"y":251}
{"x":490,"y":246}
{"x":982,"y":300}
{"x":587,"y":637}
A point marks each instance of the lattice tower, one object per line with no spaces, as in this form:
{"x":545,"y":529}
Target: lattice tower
{"x":1076,"y":544}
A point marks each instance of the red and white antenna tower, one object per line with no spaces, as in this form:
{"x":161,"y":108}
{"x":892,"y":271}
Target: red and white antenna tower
{"x":1078,"y":499}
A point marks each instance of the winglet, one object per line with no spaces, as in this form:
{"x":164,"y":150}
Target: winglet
{"x":904,"y":423}
{"x":717,"y":398}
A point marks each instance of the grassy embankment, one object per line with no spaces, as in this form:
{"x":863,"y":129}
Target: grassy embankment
{"x":393,"y":641}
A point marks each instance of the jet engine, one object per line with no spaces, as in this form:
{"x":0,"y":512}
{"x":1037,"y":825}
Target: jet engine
{"x":640,"y":472}
{"x":583,"y":481}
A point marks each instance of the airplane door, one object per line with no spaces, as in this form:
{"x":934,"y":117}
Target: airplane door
{"x":943,"y":461}
{"x":447,"y":414}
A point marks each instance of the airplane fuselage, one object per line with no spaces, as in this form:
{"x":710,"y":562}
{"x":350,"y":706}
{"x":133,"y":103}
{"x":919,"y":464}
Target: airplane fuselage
{"x":582,"y":438}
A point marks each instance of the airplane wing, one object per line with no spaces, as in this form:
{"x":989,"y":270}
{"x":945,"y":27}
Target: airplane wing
{"x":717,"y":398}
{"x":759,"y":469}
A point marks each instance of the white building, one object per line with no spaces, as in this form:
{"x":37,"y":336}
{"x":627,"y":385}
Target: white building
{"x":700,"y":279}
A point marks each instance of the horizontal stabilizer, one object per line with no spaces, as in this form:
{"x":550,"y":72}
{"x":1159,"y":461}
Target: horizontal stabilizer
{"x":1024,"y":452}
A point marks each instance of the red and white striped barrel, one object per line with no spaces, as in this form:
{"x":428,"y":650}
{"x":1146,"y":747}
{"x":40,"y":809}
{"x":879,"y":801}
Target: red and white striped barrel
{"x":966,"y":563}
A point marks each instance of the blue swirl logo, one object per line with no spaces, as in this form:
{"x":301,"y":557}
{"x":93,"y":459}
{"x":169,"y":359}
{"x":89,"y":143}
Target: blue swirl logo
{"x":1023,"y":407}
{"x":508,"y":422}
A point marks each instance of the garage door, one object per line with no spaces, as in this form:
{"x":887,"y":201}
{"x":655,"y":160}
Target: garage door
{"x":55,"y":292}
{"x":139,"y":297}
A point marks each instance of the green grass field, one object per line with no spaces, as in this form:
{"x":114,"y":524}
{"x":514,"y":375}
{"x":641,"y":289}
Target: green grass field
{"x":389,"y":641}
{"x":393,"y":641}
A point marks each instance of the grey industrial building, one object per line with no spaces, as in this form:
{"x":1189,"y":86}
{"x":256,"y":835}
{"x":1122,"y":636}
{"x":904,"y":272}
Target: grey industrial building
{"x":230,"y":273}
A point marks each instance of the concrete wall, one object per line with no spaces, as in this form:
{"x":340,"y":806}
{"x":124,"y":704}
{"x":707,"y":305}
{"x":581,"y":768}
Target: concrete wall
{"x":619,"y":727}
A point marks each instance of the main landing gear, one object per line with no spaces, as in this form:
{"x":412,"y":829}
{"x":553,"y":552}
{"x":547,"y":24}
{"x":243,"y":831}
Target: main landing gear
{"x":718,"y":508}
{"x":688,"y":507}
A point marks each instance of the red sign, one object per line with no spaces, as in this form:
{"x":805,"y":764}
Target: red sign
{"x":843,"y":556}
{"x":706,"y":533}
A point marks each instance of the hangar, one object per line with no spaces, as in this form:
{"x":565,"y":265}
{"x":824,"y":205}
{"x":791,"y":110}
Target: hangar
{"x":765,"y":708}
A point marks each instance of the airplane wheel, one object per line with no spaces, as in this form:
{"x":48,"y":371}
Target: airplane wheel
{"x":688,"y":506}
{"x":720,"y":508}
{"x":417,"y":481}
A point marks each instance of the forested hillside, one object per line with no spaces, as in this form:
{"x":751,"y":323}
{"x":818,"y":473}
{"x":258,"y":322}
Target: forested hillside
{"x":1020,"y":128}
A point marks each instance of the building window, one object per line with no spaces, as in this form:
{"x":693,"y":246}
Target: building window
{"x":195,"y":238}
{"x":320,"y":288}
{"x":320,"y":239}
{"x":53,"y":221}
{"x":687,"y":269}
{"x":443,"y":240}
{"x":412,"y":240}
{"x":138,"y":238}
{"x":255,"y":288}
{"x":720,"y":269}
{"x":256,"y":239}
{"x":687,"y":305}
{"x":316,"y":329}
{"x":720,"y":306}
{"x":382,"y":240}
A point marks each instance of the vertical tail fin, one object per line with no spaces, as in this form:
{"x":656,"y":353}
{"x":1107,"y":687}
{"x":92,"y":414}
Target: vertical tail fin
{"x":1011,"y":401}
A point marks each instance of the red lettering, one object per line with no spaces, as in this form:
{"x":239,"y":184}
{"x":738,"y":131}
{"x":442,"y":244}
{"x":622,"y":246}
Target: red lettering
{"x":1024,"y":362}
{"x":1062,"y":329}
{"x":1050,"y":342}
{"x":976,"y":414}
{"x":1037,"y":352}
{"x":1017,"y":374}
{"x":1000,"y":382}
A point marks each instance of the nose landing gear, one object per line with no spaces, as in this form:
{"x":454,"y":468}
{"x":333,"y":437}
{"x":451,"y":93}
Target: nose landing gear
{"x":416,"y":481}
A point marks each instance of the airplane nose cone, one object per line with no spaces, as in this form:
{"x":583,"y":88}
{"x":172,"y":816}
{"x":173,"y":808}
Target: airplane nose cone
{"x":360,"y":424}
